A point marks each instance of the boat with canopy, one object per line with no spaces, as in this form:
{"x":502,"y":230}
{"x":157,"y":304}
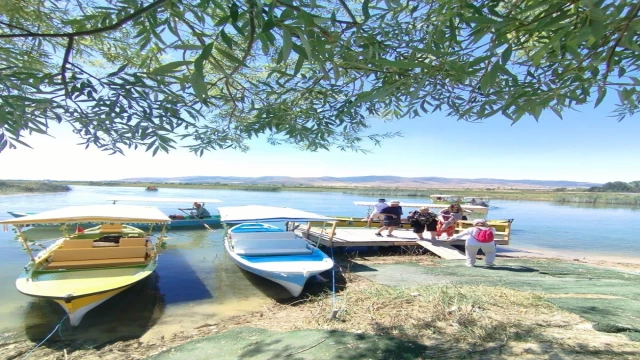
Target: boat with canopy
{"x":269,"y":251}
{"x":178,"y":221}
{"x":81,"y":270}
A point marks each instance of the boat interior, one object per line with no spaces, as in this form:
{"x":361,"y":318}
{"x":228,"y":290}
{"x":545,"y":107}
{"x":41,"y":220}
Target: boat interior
{"x":108,"y":247}
{"x":269,"y":243}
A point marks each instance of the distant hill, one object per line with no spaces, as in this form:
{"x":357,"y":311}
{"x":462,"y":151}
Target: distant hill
{"x":371,"y":181}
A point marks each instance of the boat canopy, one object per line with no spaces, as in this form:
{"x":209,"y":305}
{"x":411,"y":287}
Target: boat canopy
{"x":115,"y":199}
{"x":260,"y":213}
{"x":94,"y":214}
{"x":444,"y":196}
{"x":407,"y":205}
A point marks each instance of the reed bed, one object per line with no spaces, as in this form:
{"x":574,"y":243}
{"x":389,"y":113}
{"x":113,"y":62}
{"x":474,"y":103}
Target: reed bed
{"x":613,"y":199}
{"x":11,"y":187}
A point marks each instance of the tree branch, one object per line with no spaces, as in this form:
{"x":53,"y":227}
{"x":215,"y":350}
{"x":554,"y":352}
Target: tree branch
{"x":633,"y":13}
{"x":348,"y":10}
{"x":114,"y":26}
{"x":15,"y":27}
{"x":65,"y":61}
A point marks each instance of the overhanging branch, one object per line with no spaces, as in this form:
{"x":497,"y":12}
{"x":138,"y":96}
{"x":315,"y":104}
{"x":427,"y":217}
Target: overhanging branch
{"x":114,"y":26}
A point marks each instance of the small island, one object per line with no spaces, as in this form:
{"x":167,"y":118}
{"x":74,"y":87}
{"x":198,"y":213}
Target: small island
{"x":29,"y":187}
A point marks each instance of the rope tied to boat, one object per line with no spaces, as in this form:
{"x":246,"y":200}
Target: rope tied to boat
{"x":47,"y":338}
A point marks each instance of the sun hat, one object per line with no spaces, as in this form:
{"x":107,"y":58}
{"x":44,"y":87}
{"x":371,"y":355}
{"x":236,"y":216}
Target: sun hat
{"x":394,"y":202}
{"x":477,"y":222}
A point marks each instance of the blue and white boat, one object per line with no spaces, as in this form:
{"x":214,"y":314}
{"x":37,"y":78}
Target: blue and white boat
{"x":270,"y":251}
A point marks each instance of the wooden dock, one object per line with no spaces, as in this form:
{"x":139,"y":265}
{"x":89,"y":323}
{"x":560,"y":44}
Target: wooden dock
{"x":351,"y":236}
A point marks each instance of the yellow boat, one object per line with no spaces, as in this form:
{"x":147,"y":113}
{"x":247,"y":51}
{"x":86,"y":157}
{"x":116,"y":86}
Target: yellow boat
{"x":82,"y":270}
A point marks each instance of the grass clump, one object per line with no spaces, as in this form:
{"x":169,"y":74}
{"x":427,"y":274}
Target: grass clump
{"x":18,"y":187}
{"x":440,"y":313}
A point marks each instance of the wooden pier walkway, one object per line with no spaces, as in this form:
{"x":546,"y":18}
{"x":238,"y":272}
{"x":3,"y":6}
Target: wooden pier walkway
{"x":352,"y":236}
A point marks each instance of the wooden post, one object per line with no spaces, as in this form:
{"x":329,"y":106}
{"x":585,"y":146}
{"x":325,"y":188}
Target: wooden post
{"x":333,"y":232}
{"x":308,"y":229}
{"x":25,"y":243}
{"x":161,"y":238}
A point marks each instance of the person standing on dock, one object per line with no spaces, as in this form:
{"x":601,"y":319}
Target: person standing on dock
{"x":447,"y":219}
{"x":480,"y":236}
{"x":392,"y":218}
{"x":422,"y":219}
{"x":376,"y":211}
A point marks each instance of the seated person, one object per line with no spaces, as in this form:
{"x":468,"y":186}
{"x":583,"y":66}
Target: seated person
{"x":199,"y":211}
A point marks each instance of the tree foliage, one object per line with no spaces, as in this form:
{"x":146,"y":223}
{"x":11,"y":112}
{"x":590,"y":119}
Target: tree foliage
{"x":214,"y":73}
{"x":617,"y":186}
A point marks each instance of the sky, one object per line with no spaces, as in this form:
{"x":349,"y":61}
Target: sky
{"x":587,"y":145}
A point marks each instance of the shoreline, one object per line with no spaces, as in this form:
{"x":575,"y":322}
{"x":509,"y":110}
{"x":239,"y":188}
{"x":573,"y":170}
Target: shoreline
{"x":301,"y":315}
{"x":593,"y":258}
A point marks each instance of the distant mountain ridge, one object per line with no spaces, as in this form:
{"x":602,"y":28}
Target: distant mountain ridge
{"x":370,"y":181}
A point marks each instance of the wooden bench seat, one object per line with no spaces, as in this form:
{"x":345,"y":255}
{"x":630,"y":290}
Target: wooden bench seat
{"x":95,"y":263}
{"x":78,"y":258}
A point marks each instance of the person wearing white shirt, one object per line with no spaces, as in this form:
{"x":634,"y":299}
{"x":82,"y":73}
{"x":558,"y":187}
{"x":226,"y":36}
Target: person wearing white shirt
{"x":376,"y":211}
{"x":475,"y":242}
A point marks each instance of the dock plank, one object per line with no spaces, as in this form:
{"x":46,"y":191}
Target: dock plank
{"x":442,"y":249}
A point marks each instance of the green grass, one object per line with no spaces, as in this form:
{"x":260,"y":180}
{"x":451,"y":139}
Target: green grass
{"x":22,"y":187}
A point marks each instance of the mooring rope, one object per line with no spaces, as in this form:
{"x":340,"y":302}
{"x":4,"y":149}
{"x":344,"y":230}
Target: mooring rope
{"x":47,"y":338}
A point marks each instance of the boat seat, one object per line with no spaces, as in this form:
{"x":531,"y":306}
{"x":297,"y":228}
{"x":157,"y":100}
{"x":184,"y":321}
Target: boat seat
{"x":138,"y":241}
{"x":77,"y":244}
{"x":269,"y":243}
{"x":262,"y":252}
{"x":83,"y":264}
{"x":97,"y":257}
{"x":104,"y":228}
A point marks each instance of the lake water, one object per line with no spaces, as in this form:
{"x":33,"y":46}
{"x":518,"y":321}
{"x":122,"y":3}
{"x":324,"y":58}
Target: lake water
{"x":196,"y":283}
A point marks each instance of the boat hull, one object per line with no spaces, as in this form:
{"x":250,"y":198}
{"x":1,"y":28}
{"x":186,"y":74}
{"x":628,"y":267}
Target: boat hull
{"x":290,"y":271}
{"x":78,"y":291}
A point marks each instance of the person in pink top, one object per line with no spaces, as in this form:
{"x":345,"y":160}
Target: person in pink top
{"x":480,"y":236}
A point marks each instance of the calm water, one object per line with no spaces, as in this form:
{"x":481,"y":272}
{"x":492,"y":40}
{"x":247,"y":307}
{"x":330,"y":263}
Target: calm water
{"x":195,"y":281}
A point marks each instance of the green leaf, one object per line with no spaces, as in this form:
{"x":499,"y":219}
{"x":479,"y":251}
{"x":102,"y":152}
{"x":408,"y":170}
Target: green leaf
{"x":403,"y":64}
{"x":120,"y":70}
{"x":226,"y":39}
{"x":602,"y":92}
{"x":365,"y":10}
{"x":204,"y":55}
{"x":286,"y":44}
{"x":230,"y":56}
{"x":170,"y":67}
{"x":506,"y":55}
{"x":233,"y":12}
{"x":198,"y":85}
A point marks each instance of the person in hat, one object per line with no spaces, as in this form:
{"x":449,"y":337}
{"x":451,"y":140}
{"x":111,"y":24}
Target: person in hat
{"x":422,"y":219}
{"x":477,"y":238}
{"x":376,"y":211}
{"x":199,"y":211}
{"x":392,"y":218}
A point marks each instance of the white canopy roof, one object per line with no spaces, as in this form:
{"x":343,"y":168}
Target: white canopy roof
{"x":260,"y":213}
{"x":444,"y":196}
{"x":418,"y":205}
{"x":94,"y":213}
{"x":114,"y":199}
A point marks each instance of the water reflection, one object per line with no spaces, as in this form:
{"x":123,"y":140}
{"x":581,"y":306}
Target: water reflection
{"x":127,"y":315}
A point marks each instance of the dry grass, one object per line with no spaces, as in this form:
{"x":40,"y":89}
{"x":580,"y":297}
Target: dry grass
{"x":448,"y":313}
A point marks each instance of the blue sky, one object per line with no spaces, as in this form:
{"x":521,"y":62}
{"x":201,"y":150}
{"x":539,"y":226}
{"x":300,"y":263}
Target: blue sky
{"x":585,"y":146}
